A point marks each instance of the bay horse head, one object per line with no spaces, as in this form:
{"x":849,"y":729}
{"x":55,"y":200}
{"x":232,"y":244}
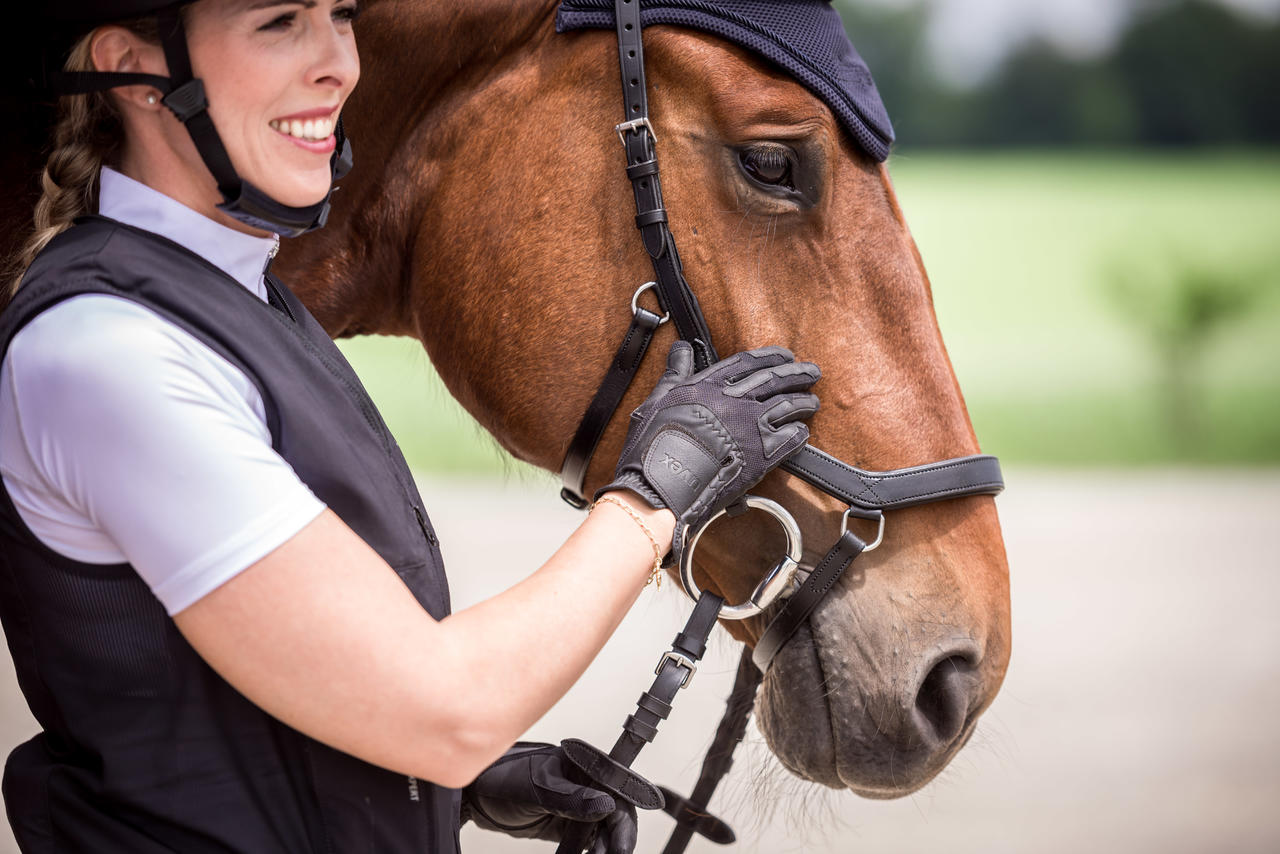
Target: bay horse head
{"x":488,"y":217}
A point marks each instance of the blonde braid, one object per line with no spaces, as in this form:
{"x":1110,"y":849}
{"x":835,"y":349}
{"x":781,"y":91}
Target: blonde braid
{"x":86,"y":136}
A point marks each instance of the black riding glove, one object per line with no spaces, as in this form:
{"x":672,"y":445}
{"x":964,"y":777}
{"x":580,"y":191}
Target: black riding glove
{"x":534,"y":792}
{"x":701,"y":440}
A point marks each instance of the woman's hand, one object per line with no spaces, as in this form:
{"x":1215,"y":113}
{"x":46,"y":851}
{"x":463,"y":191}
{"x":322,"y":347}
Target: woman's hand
{"x":534,"y":792}
{"x":701,"y":440}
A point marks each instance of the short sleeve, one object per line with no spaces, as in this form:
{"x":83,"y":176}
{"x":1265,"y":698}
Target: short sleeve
{"x":132,"y":431}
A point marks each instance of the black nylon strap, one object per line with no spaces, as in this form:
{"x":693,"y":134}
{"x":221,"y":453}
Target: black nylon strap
{"x":186,"y":100}
{"x":672,"y":675}
{"x":83,"y":82}
{"x":691,"y":813}
{"x":622,"y":370}
{"x":801,"y":604}
{"x":888,"y":490}
{"x":173,"y":38}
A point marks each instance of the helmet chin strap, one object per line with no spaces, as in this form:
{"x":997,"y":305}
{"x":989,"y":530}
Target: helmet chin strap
{"x":185,"y":97}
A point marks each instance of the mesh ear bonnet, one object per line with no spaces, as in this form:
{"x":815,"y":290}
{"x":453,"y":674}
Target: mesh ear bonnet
{"x":806,"y":38}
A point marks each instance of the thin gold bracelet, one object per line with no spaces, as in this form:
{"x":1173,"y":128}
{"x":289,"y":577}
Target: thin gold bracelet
{"x":655,"y":576}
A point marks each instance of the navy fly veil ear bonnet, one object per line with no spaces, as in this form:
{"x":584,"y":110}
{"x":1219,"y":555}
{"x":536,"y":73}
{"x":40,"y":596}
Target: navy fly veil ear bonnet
{"x":805,"y":37}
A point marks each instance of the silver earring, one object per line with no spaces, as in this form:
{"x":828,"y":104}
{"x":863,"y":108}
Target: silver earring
{"x":151,"y":99}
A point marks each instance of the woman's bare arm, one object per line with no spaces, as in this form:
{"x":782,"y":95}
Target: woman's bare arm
{"x":324,"y":636}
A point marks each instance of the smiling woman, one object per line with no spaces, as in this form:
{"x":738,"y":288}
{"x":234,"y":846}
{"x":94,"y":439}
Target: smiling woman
{"x":277,"y":124}
{"x":272,"y":73}
{"x":225,"y":601}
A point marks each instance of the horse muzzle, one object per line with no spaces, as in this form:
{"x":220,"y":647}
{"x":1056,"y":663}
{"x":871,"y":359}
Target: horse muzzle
{"x":849,"y":717}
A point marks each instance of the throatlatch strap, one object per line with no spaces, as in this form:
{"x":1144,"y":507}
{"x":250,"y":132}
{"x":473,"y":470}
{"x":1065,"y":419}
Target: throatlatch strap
{"x":622,"y":370}
{"x":674,"y":671}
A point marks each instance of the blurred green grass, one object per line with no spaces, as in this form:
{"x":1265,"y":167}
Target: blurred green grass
{"x":1018,"y":246}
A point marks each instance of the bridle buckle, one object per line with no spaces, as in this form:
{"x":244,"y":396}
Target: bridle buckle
{"x":633,"y":126}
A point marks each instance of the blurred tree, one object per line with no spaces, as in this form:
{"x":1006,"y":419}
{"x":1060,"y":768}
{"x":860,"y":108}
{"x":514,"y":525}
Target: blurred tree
{"x":1042,"y":98}
{"x":1185,"y":72}
{"x":1178,"y":309}
{"x":1200,"y":73}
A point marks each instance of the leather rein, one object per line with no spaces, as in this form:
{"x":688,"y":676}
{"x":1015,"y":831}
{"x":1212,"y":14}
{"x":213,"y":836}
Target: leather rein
{"x":867,"y":494}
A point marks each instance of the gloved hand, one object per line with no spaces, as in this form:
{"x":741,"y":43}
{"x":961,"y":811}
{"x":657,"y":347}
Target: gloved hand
{"x":533,"y":792}
{"x":701,"y":440}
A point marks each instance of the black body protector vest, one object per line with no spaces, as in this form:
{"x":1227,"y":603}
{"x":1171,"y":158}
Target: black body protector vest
{"x":145,"y":749}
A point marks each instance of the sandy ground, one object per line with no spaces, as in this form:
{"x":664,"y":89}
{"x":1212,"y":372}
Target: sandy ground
{"x":1138,"y":714}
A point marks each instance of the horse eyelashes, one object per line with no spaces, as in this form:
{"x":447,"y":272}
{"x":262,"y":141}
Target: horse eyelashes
{"x":768,"y":164}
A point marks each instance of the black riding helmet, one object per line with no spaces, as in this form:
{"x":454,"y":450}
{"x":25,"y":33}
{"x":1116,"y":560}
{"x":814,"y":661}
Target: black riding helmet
{"x":185,"y":97}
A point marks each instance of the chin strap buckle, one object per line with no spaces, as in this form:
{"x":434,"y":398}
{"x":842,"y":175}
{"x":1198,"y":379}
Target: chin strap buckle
{"x":187,"y":100}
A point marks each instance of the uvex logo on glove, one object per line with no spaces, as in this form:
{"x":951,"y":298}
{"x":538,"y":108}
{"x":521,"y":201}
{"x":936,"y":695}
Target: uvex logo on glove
{"x":680,"y":470}
{"x":701,"y":440}
{"x":679,"y":466}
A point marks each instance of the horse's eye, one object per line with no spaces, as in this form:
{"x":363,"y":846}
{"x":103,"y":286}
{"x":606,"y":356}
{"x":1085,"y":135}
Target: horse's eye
{"x":768,"y":164}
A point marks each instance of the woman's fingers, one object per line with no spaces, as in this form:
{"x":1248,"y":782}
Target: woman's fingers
{"x":739,"y":365}
{"x":621,"y":831}
{"x":762,"y":384}
{"x":792,"y":407}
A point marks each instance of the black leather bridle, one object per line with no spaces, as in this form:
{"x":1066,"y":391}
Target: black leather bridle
{"x":868,"y":494}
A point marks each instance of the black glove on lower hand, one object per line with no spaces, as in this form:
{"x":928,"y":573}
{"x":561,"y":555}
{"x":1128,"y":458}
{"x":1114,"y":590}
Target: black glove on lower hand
{"x":701,"y":440}
{"x":532,"y":793}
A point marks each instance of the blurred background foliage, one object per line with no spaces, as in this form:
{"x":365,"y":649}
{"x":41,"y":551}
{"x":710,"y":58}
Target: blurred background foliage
{"x":1100,"y":218}
{"x":1178,"y":74}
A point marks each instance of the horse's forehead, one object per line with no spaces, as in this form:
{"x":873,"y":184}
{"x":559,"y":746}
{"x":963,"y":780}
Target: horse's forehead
{"x":803,"y":37}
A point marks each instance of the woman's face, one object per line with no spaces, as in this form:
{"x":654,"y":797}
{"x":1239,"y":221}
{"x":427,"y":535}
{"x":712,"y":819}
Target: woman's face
{"x":276,"y":73}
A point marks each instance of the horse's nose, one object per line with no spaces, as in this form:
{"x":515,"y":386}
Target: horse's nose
{"x":881,"y":726}
{"x":943,"y":701}
{"x":915,"y":725}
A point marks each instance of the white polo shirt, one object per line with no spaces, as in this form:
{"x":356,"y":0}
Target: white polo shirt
{"x":125,"y":439}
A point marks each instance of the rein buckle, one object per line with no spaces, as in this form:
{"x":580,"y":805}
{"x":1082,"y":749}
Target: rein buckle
{"x":680,"y":661}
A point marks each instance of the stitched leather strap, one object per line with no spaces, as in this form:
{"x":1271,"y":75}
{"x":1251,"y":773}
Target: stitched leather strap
{"x":691,"y":813}
{"x":889,"y":490}
{"x":691,"y":819}
{"x":655,"y":704}
{"x":612,"y":776}
{"x":642,"y":170}
{"x":801,"y":604}
{"x":622,"y":370}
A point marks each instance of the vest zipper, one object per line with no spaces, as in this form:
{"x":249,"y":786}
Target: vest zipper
{"x":277,"y":300}
{"x":422,"y":523}
{"x":271,"y":254}
{"x":365,"y":405}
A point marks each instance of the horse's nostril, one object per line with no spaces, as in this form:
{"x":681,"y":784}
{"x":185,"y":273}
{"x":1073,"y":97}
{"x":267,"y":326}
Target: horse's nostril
{"x":942,"y":704}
